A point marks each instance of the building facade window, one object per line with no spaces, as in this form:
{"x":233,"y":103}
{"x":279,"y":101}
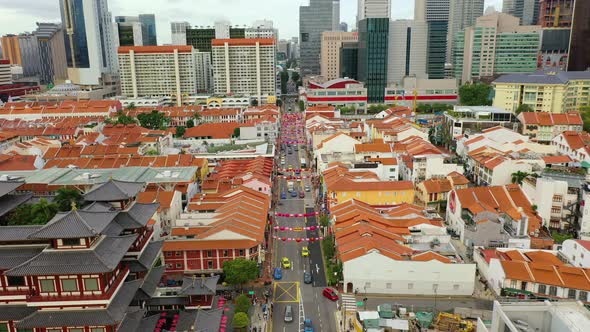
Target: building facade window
{"x":91,"y":284}
{"x":69,"y":285}
{"x":47,"y":285}
{"x":552,"y":290}
{"x":542,"y":289}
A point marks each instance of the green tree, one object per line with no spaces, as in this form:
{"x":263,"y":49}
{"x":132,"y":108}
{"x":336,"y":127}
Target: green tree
{"x":254,"y":102}
{"x":65,"y":197}
{"x":130,"y":106}
{"x":197,"y":117}
{"x":152,"y":152}
{"x":524,"y":108}
{"x":180,"y":131}
{"x":153,"y":120}
{"x":301,"y":106}
{"x":241,"y":321}
{"x":236,"y":132}
{"x":279,"y":102}
{"x":519,"y":176}
{"x":243,"y":303}
{"x":33,"y":214}
{"x":476,"y":94}
{"x":376,"y":108}
{"x":284,"y":79}
{"x":324,"y":220}
{"x":240,"y":271}
{"x":295,"y":77}
{"x":190,"y":123}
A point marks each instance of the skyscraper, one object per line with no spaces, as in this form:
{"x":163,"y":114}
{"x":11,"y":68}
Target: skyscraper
{"x":90,"y":49}
{"x":319,"y":16}
{"x":179,"y":32}
{"x":556,"y":13}
{"x":579,"y":55}
{"x":462,"y":14}
{"x":52,"y":53}
{"x":407,"y":50}
{"x":436,"y":14}
{"x":373,"y":46}
{"x":330,"y":54}
{"x":136,"y":30}
{"x":149,"y":21}
{"x":526,"y":10}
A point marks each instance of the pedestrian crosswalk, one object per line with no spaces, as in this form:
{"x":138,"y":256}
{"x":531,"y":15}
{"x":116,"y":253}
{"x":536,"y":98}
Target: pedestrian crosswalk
{"x":349,"y":302}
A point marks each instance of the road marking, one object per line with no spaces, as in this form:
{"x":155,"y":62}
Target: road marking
{"x":284,"y":292}
{"x":349,"y":302}
{"x":317,"y":269}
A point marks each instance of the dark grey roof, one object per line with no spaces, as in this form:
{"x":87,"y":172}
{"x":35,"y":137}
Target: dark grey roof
{"x":17,"y":233}
{"x":14,"y":312}
{"x":148,"y":323}
{"x":208,"y":320}
{"x":112,"y":315}
{"x":7,"y":187}
{"x":148,"y":257}
{"x":544,"y":77}
{"x":136,"y":322}
{"x":98,"y":207}
{"x":103,"y":258}
{"x":114,"y":190}
{"x":196,"y":285}
{"x":150,"y":283}
{"x":186,"y":320}
{"x":11,"y":202}
{"x":15,"y":256}
{"x":75,"y":224}
{"x":137,"y":215}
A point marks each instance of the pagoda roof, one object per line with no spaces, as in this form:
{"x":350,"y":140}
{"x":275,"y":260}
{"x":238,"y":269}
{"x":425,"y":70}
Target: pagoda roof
{"x":137,"y":216}
{"x":114,"y":190}
{"x":104,"y":257}
{"x":15,"y":256}
{"x":17,"y":233}
{"x":75,"y":224}
{"x":15,"y":312}
{"x":193,"y":285}
{"x":136,"y":322}
{"x":147,"y":258}
{"x":112,"y":315}
{"x":150,"y":283}
{"x":6,"y":187}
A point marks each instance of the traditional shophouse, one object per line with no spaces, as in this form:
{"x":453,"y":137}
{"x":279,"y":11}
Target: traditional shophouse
{"x":81,"y":271}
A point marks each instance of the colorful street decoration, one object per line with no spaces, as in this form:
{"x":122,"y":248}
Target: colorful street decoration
{"x":296,"y":229}
{"x":297,"y":215}
{"x":298,"y":239}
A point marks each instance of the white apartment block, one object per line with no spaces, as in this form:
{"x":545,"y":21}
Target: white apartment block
{"x":262,"y":29}
{"x":330,"y":52}
{"x":157,"y":71}
{"x":408,"y":43}
{"x":374,"y":9}
{"x":244,"y":67}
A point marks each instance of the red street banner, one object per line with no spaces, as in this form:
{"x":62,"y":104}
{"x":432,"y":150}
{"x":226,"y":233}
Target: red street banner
{"x":298,"y":239}
{"x":296,"y":229}
{"x":296,"y":215}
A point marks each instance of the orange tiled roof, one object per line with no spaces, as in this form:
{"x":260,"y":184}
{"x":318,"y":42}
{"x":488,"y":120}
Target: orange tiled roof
{"x":243,"y":41}
{"x":437,"y":185}
{"x":557,"y":159}
{"x":212,"y":130}
{"x":155,"y":49}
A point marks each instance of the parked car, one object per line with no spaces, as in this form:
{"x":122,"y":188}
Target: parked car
{"x":307,"y":188}
{"x":288,"y":314}
{"x":286,"y":263}
{"x":283,"y":195}
{"x":330,"y":294}
{"x":301,"y":194}
{"x":307,"y":278}
{"x":293,"y":193}
{"x":278,"y":273}
{"x":304,"y":252}
{"x":307,"y":326}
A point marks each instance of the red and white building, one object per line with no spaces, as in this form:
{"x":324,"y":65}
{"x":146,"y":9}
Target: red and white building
{"x":348,"y":92}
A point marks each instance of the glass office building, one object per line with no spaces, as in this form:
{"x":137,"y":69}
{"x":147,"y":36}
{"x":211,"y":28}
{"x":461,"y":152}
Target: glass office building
{"x":319,"y":16}
{"x":373,"y":35}
{"x":149,"y":22}
{"x":349,"y":60}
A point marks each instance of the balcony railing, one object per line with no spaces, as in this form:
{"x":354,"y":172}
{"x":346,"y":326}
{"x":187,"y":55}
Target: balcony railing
{"x":138,"y":246}
{"x":98,"y":297}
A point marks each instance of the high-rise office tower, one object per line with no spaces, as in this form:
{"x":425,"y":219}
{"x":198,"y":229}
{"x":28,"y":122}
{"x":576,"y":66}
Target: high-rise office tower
{"x":436,"y":14}
{"x":462,"y":14}
{"x":330,"y":54}
{"x":496,"y":44}
{"x":319,"y":16}
{"x":373,"y":47}
{"x":244,"y":66}
{"x":579,"y":55}
{"x":179,"y":32}
{"x":373,"y":9}
{"x":343,"y":27}
{"x":52,"y":53}
{"x":526,"y":10}
{"x":556,"y":13}
{"x":349,"y":55}
{"x":90,"y":49}
{"x":407,"y":50}
{"x":136,"y":30}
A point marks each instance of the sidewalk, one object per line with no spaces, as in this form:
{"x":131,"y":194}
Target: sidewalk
{"x":258,"y":320}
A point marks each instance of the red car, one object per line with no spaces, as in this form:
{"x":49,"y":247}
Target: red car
{"x":330,"y":294}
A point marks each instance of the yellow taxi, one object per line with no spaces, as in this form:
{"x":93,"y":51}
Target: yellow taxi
{"x":286,"y":263}
{"x":304,"y":252}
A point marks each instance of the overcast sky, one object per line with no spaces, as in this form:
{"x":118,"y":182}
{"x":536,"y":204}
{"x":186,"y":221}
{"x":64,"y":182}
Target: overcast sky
{"x":21,"y":15}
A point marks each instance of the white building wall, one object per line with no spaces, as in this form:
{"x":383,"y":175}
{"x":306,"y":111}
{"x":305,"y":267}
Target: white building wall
{"x":576,"y":254}
{"x":398,"y":50}
{"x":373,"y":9}
{"x":178,"y":30}
{"x":374,"y":273}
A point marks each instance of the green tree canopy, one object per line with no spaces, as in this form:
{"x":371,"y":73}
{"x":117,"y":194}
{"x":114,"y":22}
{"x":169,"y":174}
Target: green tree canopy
{"x":519,"y":176}
{"x":376,"y":108}
{"x":152,"y":152}
{"x":240,"y":271}
{"x":524,"y":108}
{"x":236,"y":132}
{"x":153,"y":120}
{"x":243,"y":303}
{"x":301,"y":106}
{"x":284,"y":79}
{"x":121,"y":118}
{"x":295,"y":76}
{"x":190,"y":123}
{"x":585,"y":114}
{"x":241,"y":320}
{"x":475,"y":94}
{"x":65,"y":197}
{"x":254,"y":102}
{"x":180,"y":131}
{"x":33,"y":214}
